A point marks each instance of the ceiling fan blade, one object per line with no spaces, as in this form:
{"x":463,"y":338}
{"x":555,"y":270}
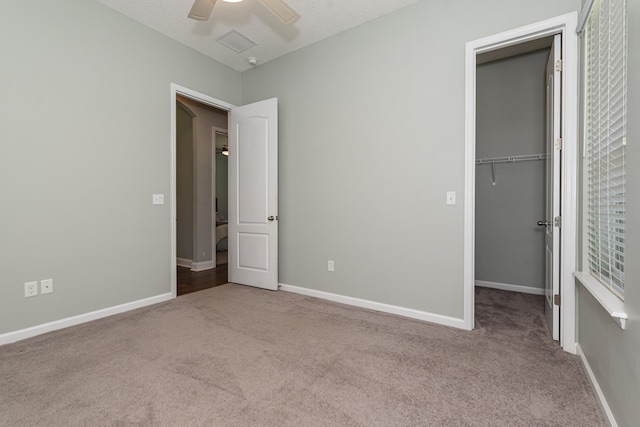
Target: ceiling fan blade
{"x":201,"y":9}
{"x":282,"y":10}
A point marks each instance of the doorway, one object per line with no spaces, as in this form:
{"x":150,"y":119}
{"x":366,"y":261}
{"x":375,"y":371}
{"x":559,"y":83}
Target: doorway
{"x":200,"y":178}
{"x":253,"y":185}
{"x":565,"y":26}
{"x":510,"y":181}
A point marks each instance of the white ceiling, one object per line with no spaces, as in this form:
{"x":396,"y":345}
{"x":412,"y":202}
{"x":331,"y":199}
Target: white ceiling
{"x":319,"y":19}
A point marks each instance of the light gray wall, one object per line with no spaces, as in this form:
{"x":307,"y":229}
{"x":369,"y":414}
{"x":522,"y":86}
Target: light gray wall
{"x":184,"y":182}
{"x":614,"y":354}
{"x":510,"y":121}
{"x":371,"y":139}
{"x":85,"y":124}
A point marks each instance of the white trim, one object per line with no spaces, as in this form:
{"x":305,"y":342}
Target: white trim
{"x":183,"y":262}
{"x":194,"y":265}
{"x":510,"y":287}
{"x":564,"y":25}
{"x":205,"y":99}
{"x":203,"y":265}
{"x":584,"y":16}
{"x":377,"y":306}
{"x":81,"y":318}
{"x":469,"y":227}
{"x":200,"y":97}
{"x":570,"y":183}
{"x":607,"y":299}
{"x":594,"y":382}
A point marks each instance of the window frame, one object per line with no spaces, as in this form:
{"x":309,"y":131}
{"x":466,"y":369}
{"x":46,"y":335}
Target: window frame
{"x":594,"y":252}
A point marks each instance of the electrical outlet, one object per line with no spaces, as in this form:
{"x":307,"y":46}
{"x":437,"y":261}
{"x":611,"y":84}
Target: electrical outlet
{"x":46,"y":286}
{"x":30,"y":289}
{"x":330,"y":265}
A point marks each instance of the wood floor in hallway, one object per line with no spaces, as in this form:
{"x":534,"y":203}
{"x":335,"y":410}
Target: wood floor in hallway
{"x":192,"y":281}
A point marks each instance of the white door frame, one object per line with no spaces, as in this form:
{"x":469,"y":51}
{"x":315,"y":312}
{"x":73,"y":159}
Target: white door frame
{"x":565,"y":25}
{"x":204,"y":99}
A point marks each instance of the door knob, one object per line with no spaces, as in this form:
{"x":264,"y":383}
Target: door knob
{"x":543,"y":223}
{"x":271,"y":218}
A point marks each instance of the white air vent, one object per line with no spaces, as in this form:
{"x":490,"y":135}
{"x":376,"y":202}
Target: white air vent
{"x":236,"y":41}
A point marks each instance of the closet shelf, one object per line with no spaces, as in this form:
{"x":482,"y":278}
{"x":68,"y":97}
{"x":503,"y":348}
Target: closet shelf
{"x":511,"y":159}
{"x":508,"y":159}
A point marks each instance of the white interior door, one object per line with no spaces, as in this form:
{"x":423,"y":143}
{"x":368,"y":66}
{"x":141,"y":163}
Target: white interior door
{"x":253,"y":194}
{"x":552,"y":222}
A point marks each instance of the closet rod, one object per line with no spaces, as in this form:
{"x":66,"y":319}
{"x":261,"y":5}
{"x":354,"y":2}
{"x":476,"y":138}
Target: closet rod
{"x":511,"y":159}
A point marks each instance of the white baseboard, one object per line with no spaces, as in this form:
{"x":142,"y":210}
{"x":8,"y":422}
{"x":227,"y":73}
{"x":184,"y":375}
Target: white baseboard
{"x":512,"y":288}
{"x":202,"y":265}
{"x":183,"y":262}
{"x":22,"y":334}
{"x":377,"y":306}
{"x":195,"y":266}
{"x":596,"y":387}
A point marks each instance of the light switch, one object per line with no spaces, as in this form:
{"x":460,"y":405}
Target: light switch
{"x":158,"y":199}
{"x":451,"y":197}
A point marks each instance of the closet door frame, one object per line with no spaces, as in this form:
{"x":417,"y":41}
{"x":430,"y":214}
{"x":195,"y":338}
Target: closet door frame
{"x":566,"y":26}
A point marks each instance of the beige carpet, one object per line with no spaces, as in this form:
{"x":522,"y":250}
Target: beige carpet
{"x":238,"y":356}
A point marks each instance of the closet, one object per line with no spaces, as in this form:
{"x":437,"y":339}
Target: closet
{"x":510,"y":172}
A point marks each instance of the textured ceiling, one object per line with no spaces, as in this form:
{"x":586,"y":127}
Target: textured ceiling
{"x":319,"y":19}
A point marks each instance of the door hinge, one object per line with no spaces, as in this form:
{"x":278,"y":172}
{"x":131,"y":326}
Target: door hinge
{"x":558,"y":144}
{"x":559,"y":65}
{"x":556,"y":299}
{"x":557,"y":221}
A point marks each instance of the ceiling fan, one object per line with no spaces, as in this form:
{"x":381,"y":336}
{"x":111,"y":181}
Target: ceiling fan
{"x":201,"y":9}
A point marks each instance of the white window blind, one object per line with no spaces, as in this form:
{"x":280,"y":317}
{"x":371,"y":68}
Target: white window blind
{"x":606,"y":113}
